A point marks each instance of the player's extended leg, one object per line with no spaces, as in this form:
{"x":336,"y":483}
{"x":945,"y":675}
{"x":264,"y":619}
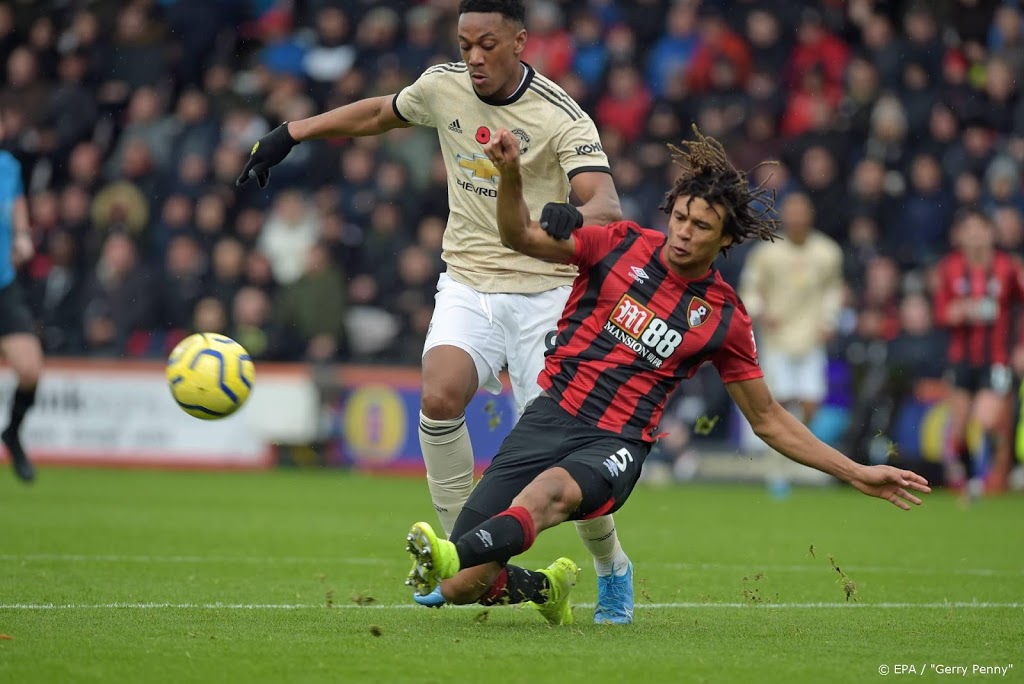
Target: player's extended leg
{"x":449,"y":382}
{"x":957,"y":454}
{"x":25,"y":355}
{"x":474,"y":568}
{"x":991,"y":411}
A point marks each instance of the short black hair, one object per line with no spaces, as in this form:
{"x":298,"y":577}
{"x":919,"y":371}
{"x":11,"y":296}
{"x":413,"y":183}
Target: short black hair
{"x":513,"y":10}
{"x":708,"y":174}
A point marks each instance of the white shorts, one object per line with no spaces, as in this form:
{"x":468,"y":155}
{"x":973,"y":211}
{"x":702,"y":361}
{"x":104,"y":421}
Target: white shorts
{"x":498,"y":330}
{"x":796,"y":378}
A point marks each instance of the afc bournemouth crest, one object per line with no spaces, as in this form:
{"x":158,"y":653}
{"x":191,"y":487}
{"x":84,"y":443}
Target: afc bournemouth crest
{"x":697,"y":312}
{"x":524,"y":139}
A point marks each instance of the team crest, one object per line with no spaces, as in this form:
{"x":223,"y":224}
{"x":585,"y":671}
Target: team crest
{"x":524,"y":139}
{"x":698,"y":312}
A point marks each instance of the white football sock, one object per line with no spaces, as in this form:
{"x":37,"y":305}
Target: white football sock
{"x":448,"y":455}
{"x":598,"y":535}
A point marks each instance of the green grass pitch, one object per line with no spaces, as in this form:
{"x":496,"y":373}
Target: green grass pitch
{"x":148,"y":576}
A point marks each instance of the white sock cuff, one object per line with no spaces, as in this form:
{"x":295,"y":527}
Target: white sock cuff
{"x":441,"y":431}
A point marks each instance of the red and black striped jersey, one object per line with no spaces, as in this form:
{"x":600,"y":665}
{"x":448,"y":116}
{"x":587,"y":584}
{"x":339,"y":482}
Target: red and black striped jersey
{"x":993,"y":290}
{"x":632,"y":330}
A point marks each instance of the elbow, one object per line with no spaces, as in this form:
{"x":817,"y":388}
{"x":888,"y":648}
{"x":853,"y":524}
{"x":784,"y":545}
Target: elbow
{"x":613,"y":212}
{"x":515,"y":243}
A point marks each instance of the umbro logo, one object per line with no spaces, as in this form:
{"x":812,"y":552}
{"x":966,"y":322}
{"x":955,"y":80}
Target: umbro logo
{"x":455,"y":127}
{"x":639,"y":274}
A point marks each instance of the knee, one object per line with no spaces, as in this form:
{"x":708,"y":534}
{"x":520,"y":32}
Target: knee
{"x":442,"y":402}
{"x":28,"y":372}
{"x":549,"y":505}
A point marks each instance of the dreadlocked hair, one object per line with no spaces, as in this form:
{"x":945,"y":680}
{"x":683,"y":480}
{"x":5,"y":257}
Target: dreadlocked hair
{"x":708,"y":174}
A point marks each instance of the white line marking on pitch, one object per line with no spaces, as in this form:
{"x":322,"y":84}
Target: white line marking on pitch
{"x":403,"y":606}
{"x":299,"y":560}
{"x":978,"y":572}
{"x":113,"y":558}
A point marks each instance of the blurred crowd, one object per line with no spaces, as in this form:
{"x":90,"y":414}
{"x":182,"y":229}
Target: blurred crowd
{"x":132,"y":120}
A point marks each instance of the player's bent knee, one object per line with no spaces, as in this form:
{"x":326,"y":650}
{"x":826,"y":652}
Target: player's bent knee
{"x":442,"y":403}
{"x":553,"y":497}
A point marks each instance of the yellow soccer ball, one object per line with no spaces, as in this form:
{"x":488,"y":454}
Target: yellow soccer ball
{"x":210,"y":375}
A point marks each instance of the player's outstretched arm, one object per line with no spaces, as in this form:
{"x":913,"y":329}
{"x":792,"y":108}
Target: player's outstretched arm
{"x":371,"y":116}
{"x":517,"y":231}
{"x":783,"y":432}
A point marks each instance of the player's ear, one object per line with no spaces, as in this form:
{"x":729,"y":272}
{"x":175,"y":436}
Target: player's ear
{"x":519,"y":42}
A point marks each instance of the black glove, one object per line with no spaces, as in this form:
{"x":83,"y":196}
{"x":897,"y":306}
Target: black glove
{"x":559,"y":219}
{"x":268,"y":151}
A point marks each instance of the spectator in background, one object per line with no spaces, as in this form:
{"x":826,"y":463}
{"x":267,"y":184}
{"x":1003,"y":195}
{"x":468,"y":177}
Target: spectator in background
{"x":211,"y":219}
{"x":972,"y":152}
{"x":624,"y":107}
{"x":25,"y":88}
{"x":120,"y":206}
{"x":878,"y":303}
{"x":1009,"y":227}
{"x":887,"y":138}
{"x":670,"y":57}
{"x":918,"y":351}
{"x":1006,"y":38}
{"x":176,"y":218}
{"x":1002,"y":187}
{"x":1001,"y":95}
{"x":863,"y":87}
{"x":923,"y":44}
{"x":550,"y":48}
{"x":817,"y":49}
{"x":209,"y":316}
{"x":182,"y":283}
{"x":251,"y":322}
{"x":590,"y":54}
{"x":117,"y":304}
{"x":417,"y":275}
{"x":258,"y":272}
{"x":717,"y":40}
{"x":310,"y":311}
{"x":769,"y":49}
{"x":919,"y":235}
{"x":71,"y":111}
{"x":54,"y":297}
{"x":291,"y":229}
{"x":331,"y":55}
{"x":134,"y":59}
{"x":226,"y":270}
{"x":422,"y":43}
{"x":820,"y":177}
{"x":196,"y":130}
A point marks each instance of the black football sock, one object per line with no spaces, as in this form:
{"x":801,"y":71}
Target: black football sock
{"x":496,"y":540}
{"x":23,"y":401}
{"x":516,"y":585}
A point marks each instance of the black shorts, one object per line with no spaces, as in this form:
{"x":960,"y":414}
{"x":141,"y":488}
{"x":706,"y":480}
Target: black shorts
{"x":605,"y":465}
{"x":996,"y":377}
{"x":15,"y":316}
